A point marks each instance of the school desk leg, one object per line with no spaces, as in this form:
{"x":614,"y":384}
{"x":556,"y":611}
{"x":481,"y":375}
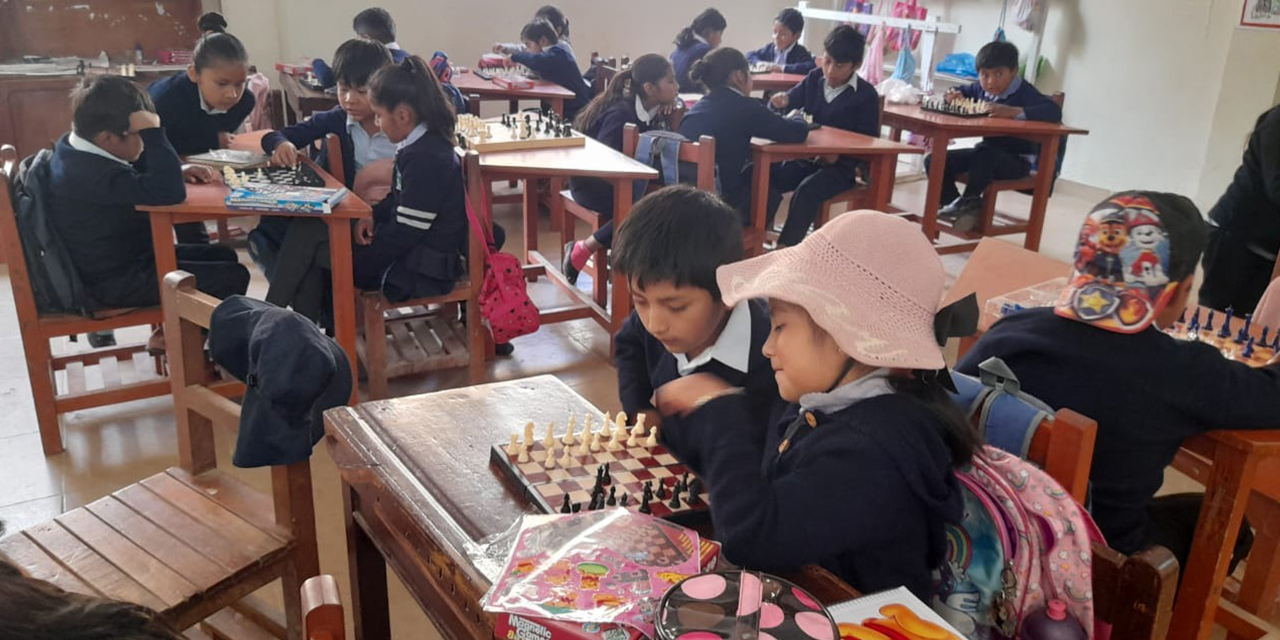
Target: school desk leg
{"x":557,"y":105}
{"x":162,"y":243}
{"x":1262,"y":574}
{"x":937,"y":167}
{"x":370,"y":611}
{"x":759,"y":194}
{"x":530,"y":216}
{"x":882,"y":170}
{"x":621,"y":303}
{"x":1226,"y":493}
{"x":344,"y":296}
{"x":1046,"y":167}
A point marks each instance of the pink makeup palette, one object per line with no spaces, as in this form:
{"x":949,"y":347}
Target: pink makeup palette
{"x":741,"y":605}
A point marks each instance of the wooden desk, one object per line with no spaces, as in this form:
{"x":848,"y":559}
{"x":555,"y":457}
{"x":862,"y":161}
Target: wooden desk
{"x":942,"y":129}
{"x":775,"y":81}
{"x":824,"y":141}
{"x":419,"y":492}
{"x":207,"y":202}
{"x":301,"y":100}
{"x":543,"y":90}
{"x":595,"y":160}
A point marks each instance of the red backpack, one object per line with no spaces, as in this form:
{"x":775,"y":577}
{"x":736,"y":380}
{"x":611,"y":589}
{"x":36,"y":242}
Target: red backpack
{"x":504,"y":302}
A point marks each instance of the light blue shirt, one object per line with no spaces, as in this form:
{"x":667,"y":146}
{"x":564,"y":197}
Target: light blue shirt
{"x":780,"y":57}
{"x":414,"y":136}
{"x":871,"y":385}
{"x":368,"y":148}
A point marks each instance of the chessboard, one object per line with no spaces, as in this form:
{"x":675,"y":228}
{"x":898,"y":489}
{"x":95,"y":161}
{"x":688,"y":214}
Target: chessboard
{"x":514,"y":132}
{"x":299,"y":175}
{"x":761,"y":67}
{"x":964,"y":108}
{"x":1238,"y":343}
{"x":618,"y":466}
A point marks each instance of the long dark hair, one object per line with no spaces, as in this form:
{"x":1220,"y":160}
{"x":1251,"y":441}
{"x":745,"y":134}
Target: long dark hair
{"x":960,"y":436}
{"x":649,"y":67}
{"x":715,"y":68}
{"x":33,"y":609}
{"x":556,"y":17}
{"x":707,"y":21}
{"x":217,"y":49}
{"x":412,"y":83}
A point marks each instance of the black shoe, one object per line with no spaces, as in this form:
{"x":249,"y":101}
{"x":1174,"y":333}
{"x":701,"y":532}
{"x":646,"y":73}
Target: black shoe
{"x":959,"y":208}
{"x":504,"y":349}
{"x":100,"y":339}
{"x":967,"y":220}
{"x":566,"y":263}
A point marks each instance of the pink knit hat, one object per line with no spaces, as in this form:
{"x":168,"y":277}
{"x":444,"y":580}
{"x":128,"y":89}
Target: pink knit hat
{"x":869,"y":279}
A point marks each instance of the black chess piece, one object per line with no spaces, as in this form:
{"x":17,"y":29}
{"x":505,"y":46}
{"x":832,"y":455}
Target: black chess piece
{"x":1224,"y":332}
{"x":1265,"y":338}
{"x":1242,"y":335}
{"x":1248,"y":349}
{"x":648,"y":491}
{"x":1208,"y":323}
{"x":624,"y":500}
{"x":684,"y":481}
{"x":605,"y":475}
{"x":613,"y":497}
{"x":661,"y":493}
{"x":695,"y":488}
{"x":566,"y":506}
{"x":645,"y":508}
{"x":1182,"y":318}
{"x":675,"y":499}
{"x":1248,"y":322}
{"x":1275,"y":344}
{"x":577,"y":506}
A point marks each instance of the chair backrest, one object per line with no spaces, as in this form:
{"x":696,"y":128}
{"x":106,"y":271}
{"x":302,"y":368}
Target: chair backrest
{"x":1134,"y":594}
{"x":701,"y":153}
{"x":11,"y":242}
{"x":333,"y":151}
{"x":606,"y":69}
{"x":476,"y":194}
{"x":1063,"y":447}
{"x":322,"y":615}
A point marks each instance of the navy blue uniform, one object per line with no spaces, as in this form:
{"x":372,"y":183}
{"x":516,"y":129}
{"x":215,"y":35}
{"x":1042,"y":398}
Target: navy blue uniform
{"x":189,"y":128}
{"x":316,"y":127}
{"x":594,"y":193}
{"x":799,"y":60}
{"x":557,"y":64}
{"x":682,"y":60}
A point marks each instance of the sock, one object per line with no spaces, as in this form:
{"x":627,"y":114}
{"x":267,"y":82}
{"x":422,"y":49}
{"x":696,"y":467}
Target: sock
{"x":579,"y":256}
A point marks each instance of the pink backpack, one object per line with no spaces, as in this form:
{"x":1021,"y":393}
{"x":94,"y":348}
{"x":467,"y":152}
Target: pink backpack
{"x":1023,"y":541}
{"x":504,"y":302}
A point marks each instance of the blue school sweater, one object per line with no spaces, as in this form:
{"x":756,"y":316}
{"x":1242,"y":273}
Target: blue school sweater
{"x":1147,"y":391}
{"x":682,"y":59}
{"x":324,"y":73}
{"x":799,"y":60}
{"x":594,"y":193}
{"x":427,"y":200}
{"x":733,"y":119}
{"x":1020,"y":93}
{"x":865,"y":493}
{"x":94,"y":204}
{"x":644,"y":365}
{"x":189,"y":128}
{"x":855,"y":109}
{"x":557,"y":64}
{"x":316,"y":127}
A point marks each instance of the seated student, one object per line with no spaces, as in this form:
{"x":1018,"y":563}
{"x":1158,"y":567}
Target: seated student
{"x":784,"y":53}
{"x":550,"y":13}
{"x":374,"y":23}
{"x":639,"y":95}
{"x":728,"y":114}
{"x":871,"y":428}
{"x":692,"y":43}
{"x":546,"y":56}
{"x":202,"y":106}
{"x":1102,"y":352}
{"x":836,"y":97}
{"x":669,"y":248}
{"x":115,"y":159}
{"x":1000,"y":158}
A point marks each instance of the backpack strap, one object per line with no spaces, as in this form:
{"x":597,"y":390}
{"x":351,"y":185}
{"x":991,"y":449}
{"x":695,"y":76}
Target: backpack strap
{"x":1008,"y":418}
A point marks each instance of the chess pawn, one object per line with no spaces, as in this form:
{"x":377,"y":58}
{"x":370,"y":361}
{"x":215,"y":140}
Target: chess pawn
{"x":595,"y":440}
{"x":514,"y":447}
{"x":652,"y":441}
{"x":549,"y":442}
{"x":634,"y":440}
{"x":524,"y":455}
{"x":566,"y":460}
{"x":568,"y":438}
{"x":550,"y":462}
{"x":639,"y":430}
{"x":615,"y":443}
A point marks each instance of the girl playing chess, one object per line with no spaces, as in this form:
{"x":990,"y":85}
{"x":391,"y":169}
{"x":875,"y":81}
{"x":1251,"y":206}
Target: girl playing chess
{"x":856,"y":473}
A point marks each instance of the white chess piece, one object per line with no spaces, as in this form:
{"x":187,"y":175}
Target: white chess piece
{"x":566,"y":460}
{"x":524,"y":455}
{"x":585,"y":445}
{"x":550,"y":441}
{"x":550,"y":462}
{"x":634,"y":440}
{"x":653,"y":437}
{"x":514,"y":447}
{"x":528,"y":435}
{"x":261,"y":176}
{"x":620,"y":426}
{"x":639,"y":430}
{"x":595,"y":439}
{"x":568,"y":438}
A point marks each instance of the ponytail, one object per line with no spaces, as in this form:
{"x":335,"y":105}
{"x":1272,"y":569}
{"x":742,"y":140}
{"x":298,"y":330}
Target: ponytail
{"x":412,"y":83}
{"x":218,"y":48}
{"x":710,"y":20}
{"x":960,"y":436}
{"x":648,"y":68}
{"x":556,"y":17}
{"x":716,"y":68}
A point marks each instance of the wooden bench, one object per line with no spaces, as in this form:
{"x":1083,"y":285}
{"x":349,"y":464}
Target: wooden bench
{"x":125,"y":371}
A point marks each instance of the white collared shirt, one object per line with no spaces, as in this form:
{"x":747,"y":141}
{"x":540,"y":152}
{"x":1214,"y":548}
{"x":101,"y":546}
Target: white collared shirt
{"x":80,"y":144}
{"x":732,"y":348}
{"x":699,"y":38}
{"x":417,"y":133}
{"x":205,"y":105}
{"x":368,"y":148}
{"x":871,"y":385}
{"x":393,"y":45}
{"x":645,"y":115}
{"x":780,"y":57}
{"x":830,"y":93}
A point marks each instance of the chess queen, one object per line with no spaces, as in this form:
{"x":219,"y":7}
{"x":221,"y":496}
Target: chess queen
{"x":856,"y":473}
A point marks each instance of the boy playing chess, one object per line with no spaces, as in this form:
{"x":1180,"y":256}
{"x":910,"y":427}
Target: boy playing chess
{"x":669,"y":248}
{"x":1102,"y":352}
{"x":1000,"y":158}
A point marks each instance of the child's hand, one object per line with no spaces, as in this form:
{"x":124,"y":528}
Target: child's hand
{"x":225,"y":139}
{"x":952,"y":95}
{"x":364,"y":231}
{"x":198,"y":173}
{"x":1004,"y":111}
{"x":779,"y":101}
{"x":498,"y":48}
{"x":143,"y":119}
{"x":682,"y":396}
{"x":285,"y":155}
{"x":776,"y":68}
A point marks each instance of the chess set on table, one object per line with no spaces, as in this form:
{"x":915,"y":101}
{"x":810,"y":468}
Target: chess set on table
{"x":964,"y":108}
{"x":299,"y":175}
{"x":761,"y":67}
{"x":615,"y":466}
{"x":1235,"y":344}
{"x":297,"y":189}
{"x":543,"y":129}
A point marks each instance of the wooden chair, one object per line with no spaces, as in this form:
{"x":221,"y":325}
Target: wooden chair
{"x":422,"y":339}
{"x":606,"y":69}
{"x":322,"y":614}
{"x":191,"y":541}
{"x":124,"y":370}
{"x":851,"y":200}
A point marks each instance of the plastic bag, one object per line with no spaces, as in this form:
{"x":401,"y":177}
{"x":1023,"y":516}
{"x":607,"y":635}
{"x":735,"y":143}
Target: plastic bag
{"x":897,"y":91}
{"x":959,"y":64}
{"x":608,"y":566}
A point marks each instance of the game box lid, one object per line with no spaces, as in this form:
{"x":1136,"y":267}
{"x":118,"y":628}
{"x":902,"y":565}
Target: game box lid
{"x":271,"y":197}
{"x":741,"y":604}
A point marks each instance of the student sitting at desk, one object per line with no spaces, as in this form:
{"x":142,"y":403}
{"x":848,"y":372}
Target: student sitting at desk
{"x":374,"y":23}
{"x":551,"y":14}
{"x":115,"y":159}
{"x":641,"y":95}
{"x":546,"y":56}
{"x":836,"y":97}
{"x":785,"y":54}
{"x":1000,"y":158}
{"x":728,"y":114}
{"x":1102,"y":352}
{"x":692,"y":43}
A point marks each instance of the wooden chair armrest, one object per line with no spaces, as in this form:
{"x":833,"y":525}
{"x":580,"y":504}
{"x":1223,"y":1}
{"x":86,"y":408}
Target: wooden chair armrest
{"x":322,"y":609}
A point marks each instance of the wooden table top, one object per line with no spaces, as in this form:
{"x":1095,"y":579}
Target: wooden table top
{"x":775,"y":81}
{"x":469,"y":83}
{"x":831,"y":140}
{"x":998,"y":267}
{"x":594,"y":159}
{"x":303,"y":90}
{"x":912,"y":117}
{"x":210,"y":199}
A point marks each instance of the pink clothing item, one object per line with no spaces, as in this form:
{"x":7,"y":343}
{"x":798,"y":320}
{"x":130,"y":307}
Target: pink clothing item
{"x":1268,"y":312}
{"x":870,"y":280}
{"x":260,"y":87}
{"x":373,"y":182}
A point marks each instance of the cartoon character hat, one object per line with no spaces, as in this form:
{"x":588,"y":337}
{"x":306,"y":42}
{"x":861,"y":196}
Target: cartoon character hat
{"x":870,"y":280}
{"x":1134,"y":249}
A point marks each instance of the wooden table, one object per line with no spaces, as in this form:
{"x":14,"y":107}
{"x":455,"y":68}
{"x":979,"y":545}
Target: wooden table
{"x":419,"y":492}
{"x":206,"y":202}
{"x":882,"y":154}
{"x":942,"y":129}
{"x":302,"y":100}
{"x":1240,"y":471}
{"x":542,"y":90}
{"x":595,"y":160}
{"x":775,"y":81}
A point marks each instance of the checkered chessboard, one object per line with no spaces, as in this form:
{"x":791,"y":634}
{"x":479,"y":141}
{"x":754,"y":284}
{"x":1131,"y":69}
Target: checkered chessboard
{"x":629,"y":467}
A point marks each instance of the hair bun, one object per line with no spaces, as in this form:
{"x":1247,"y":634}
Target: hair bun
{"x":697,"y":69}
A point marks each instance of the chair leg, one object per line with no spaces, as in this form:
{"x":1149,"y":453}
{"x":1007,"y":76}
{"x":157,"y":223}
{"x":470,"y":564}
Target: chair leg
{"x":988,"y":209}
{"x":477,"y":345}
{"x":375,"y":346}
{"x":43,"y":391}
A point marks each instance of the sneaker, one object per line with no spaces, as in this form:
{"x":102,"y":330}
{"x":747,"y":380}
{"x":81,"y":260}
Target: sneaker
{"x":967,"y":220}
{"x":957,"y":207}
{"x":504,"y":349}
{"x":100,"y":339}
{"x":566,"y":264}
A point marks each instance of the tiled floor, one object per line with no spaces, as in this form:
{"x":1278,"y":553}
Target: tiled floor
{"x":110,"y":447}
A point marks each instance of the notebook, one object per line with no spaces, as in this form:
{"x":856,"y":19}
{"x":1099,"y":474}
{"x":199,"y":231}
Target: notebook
{"x":898,"y":610}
